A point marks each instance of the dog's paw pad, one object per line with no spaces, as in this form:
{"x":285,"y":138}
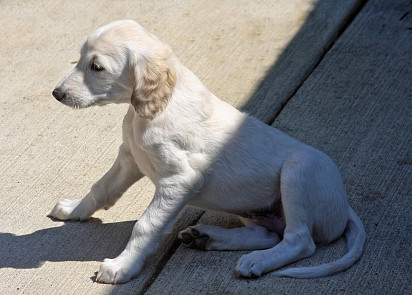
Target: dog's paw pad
{"x":186,"y":238}
{"x":201,"y":242}
{"x":193,"y":238}
{"x":195,"y":232}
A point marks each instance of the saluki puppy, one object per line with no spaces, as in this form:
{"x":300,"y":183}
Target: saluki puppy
{"x":201,"y":151}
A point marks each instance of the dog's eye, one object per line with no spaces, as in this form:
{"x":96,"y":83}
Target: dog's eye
{"x":96,"y":67}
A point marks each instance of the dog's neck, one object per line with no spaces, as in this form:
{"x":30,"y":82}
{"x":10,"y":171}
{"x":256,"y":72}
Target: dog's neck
{"x":189,"y":96}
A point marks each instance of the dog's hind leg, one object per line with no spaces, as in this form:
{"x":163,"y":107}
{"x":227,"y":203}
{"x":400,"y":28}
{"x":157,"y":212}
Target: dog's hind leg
{"x":293,"y":247}
{"x":298,"y":193}
{"x":208,"y":237}
{"x":104,"y":193}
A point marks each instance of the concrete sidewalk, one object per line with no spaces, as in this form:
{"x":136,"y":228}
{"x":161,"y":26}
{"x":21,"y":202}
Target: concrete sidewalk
{"x":356,"y":106}
{"x":284,"y":62}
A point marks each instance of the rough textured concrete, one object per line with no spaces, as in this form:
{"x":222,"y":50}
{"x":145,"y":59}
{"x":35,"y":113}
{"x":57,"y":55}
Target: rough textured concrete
{"x":251,"y":54}
{"x":356,"y":106}
{"x":49,"y":152}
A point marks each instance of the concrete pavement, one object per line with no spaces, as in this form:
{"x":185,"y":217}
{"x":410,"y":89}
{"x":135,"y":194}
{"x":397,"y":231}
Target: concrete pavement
{"x":267,"y":58}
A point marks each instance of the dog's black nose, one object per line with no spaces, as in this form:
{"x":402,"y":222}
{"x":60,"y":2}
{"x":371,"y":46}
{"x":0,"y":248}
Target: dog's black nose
{"x":58,"y":94}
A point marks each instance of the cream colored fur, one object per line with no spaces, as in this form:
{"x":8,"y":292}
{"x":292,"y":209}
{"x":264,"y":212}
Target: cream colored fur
{"x":201,"y":151}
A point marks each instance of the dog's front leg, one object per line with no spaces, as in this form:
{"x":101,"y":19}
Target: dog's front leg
{"x":104,"y":193}
{"x":147,"y":232}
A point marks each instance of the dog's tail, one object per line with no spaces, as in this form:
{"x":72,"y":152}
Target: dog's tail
{"x":355,"y":239}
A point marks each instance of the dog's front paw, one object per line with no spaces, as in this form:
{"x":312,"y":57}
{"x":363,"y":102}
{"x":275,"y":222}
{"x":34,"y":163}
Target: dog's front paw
{"x":116,"y":271}
{"x":71,"y":210}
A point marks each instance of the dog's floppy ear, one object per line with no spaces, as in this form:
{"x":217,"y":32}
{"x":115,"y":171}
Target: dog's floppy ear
{"x":155,"y":79}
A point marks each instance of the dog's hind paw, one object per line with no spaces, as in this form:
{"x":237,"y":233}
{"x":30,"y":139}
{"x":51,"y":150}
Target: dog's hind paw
{"x":251,"y":265}
{"x":193,"y":238}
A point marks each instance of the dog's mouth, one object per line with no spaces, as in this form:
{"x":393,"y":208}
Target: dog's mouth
{"x":81,"y":103}
{"x":76,"y":104}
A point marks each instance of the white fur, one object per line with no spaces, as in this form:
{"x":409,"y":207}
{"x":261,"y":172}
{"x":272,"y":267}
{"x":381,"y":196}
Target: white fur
{"x":201,"y":151}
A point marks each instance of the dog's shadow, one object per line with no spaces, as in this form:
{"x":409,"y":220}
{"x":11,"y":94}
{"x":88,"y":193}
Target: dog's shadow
{"x":73,"y":241}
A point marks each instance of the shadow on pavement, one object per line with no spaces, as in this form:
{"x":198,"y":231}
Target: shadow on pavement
{"x":73,"y":241}
{"x":94,"y":241}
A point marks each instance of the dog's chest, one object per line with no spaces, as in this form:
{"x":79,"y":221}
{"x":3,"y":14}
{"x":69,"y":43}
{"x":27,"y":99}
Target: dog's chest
{"x":144,"y":163}
{"x":158,"y":152}
{"x":133,"y":140}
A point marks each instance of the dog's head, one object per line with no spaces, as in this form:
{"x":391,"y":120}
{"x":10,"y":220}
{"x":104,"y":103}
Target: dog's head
{"x":121,"y":63}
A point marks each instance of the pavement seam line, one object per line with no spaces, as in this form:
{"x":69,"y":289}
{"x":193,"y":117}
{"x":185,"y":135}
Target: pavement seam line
{"x":345,"y":24}
{"x":165,"y":259}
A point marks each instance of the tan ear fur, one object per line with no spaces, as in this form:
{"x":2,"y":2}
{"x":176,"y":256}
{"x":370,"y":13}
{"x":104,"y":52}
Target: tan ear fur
{"x":155,"y":80}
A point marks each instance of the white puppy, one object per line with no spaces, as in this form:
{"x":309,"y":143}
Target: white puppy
{"x":201,"y":151}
